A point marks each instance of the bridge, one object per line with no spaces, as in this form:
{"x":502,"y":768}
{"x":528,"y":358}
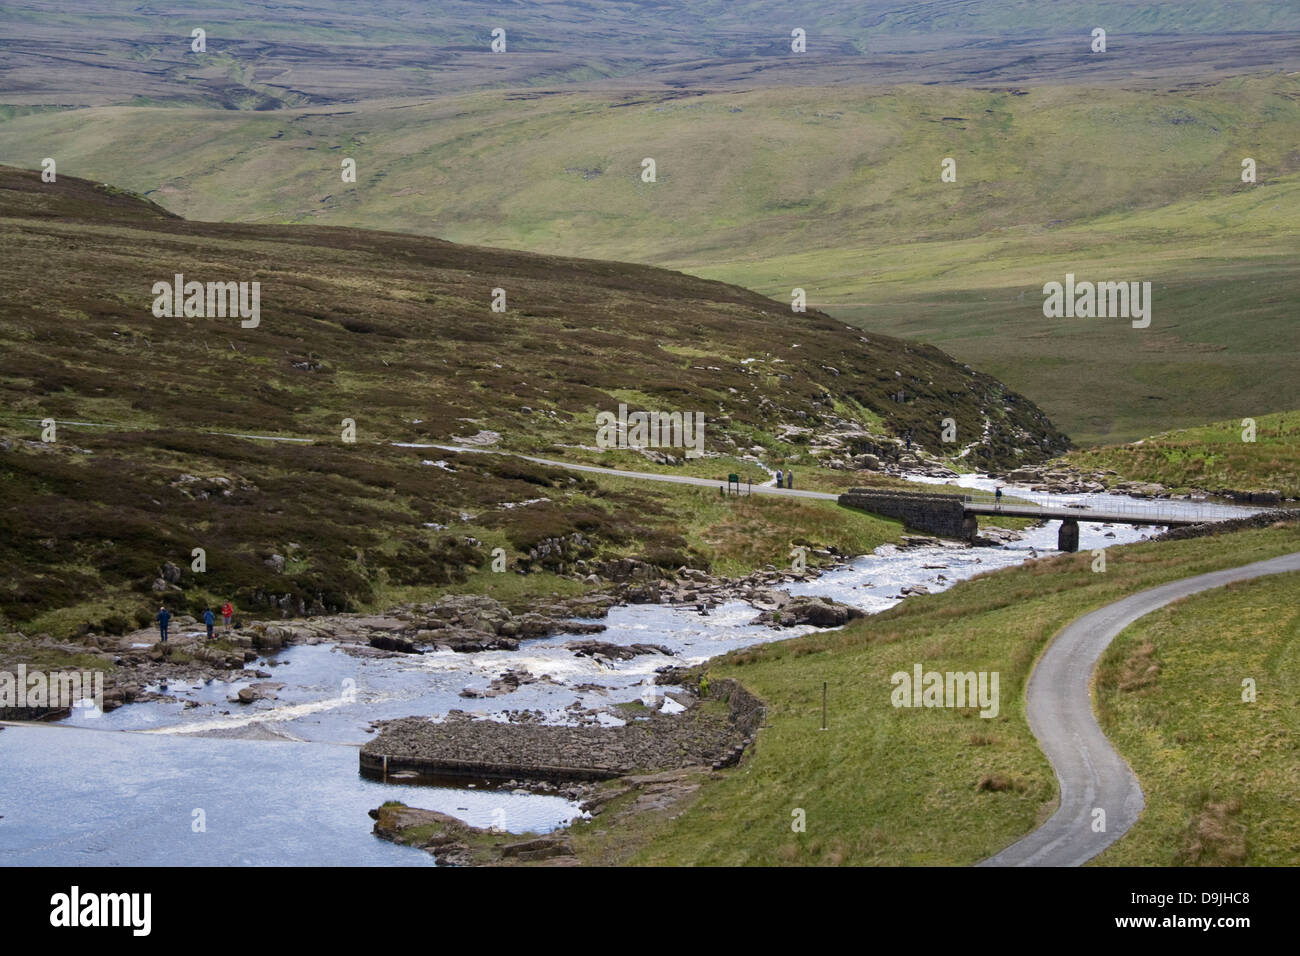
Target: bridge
{"x":957,"y":516}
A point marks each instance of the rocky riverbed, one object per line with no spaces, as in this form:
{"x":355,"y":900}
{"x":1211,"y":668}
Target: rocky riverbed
{"x":140,"y":669}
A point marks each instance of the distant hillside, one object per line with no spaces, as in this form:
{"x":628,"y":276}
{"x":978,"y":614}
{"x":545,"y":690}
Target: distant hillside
{"x":263,"y":56}
{"x":835,"y":190}
{"x":395,"y":333}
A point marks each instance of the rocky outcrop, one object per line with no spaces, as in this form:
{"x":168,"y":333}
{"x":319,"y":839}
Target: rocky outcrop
{"x":264,"y":690}
{"x":1059,"y":477}
{"x":386,"y":642}
{"x":454,"y":843}
{"x":466,"y":623}
{"x":508,"y":682}
{"x":447,"y":838}
{"x":559,"y":554}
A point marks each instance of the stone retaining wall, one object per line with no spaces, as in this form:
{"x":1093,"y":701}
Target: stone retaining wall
{"x":1261,"y":520}
{"x":747,"y":711}
{"x":944,"y":515}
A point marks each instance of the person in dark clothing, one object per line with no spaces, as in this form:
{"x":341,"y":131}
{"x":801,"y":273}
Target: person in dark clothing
{"x":164,"y":618}
{"x":778,"y":477}
{"x":998,"y":496}
{"x":789,"y":479}
{"x":209,"y":619}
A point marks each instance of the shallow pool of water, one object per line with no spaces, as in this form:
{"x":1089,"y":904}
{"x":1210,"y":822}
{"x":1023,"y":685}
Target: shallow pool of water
{"x":78,"y":797}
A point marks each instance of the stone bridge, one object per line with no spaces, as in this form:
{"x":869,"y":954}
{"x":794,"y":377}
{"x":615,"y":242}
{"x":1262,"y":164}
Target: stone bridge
{"x":956,"y":516}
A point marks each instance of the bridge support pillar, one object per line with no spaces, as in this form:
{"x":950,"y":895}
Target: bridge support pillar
{"x":1067,"y":539}
{"x":970,"y":527}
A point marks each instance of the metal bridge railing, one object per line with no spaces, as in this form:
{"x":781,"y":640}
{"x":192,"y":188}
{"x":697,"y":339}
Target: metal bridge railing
{"x":1112,"y":505}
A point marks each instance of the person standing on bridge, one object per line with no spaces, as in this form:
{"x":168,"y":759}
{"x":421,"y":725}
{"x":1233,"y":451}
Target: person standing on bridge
{"x":997,"y":495}
{"x":789,"y":478}
{"x":778,"y":478}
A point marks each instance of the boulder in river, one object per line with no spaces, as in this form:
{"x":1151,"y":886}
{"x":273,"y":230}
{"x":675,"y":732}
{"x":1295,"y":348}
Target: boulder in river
{"x":615,"y":652}
{"x":810,"y":609}
{"x":265,"y":690}
{"x":387,"y":642}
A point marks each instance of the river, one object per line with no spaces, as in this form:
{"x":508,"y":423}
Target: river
{"x":204,"y":782}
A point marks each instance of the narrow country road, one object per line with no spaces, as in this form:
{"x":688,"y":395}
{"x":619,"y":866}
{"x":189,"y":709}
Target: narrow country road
{"x":642,"y":475}
{"x":487,"y":450}
{"x":1091,"y":774}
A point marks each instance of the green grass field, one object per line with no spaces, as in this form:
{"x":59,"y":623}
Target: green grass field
{"x":1220,"y":774}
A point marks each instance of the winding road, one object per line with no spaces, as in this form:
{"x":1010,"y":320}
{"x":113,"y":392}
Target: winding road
{"x":1091,"y":774}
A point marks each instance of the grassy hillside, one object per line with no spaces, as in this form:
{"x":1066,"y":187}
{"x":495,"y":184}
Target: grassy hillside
{"x":834,"y":190}
{"x":1212,"y":457}
{"x":396,"y":333}
{"x":1220,"y":774}
{"x":934,"y":786}
{"x":765,"y":179}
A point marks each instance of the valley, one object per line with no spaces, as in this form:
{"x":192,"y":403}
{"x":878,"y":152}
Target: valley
{"x":554,"y":431}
